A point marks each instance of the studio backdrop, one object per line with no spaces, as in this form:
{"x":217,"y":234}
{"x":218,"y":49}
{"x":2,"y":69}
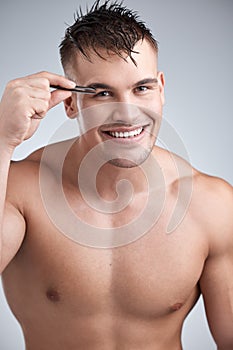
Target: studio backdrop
{"x":195,"y":53}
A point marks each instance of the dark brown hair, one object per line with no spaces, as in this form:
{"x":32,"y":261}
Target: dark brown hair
{"x":110,"y":26}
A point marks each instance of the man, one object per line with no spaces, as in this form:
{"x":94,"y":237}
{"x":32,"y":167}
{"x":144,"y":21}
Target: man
{"x":78,"y":272}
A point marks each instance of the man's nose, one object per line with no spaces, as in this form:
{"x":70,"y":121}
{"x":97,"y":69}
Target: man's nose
{"x":125,"y":112}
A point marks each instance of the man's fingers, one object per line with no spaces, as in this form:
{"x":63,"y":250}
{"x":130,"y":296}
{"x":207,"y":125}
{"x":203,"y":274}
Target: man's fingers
{"x":35,"y":92}
{"x":45,"y":79}
{"x":39,"y":109}
{"x":37,"y":87}
{"x":54,"y":79}
{"x":58,"y":96}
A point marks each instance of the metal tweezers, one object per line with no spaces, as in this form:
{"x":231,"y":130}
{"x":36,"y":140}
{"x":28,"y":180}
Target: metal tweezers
{"x":82,"y":89}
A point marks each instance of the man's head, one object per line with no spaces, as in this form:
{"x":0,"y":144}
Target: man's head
{"x":111,"y":50}
{"x":110,"y":26}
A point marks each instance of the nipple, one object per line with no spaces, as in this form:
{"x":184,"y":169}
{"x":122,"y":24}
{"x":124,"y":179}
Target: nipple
{"x":176,"y":306}
{"x":53,"y":295}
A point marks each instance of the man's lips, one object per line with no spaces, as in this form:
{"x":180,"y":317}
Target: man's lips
{"x":123,"y":133}
{"x":118,"y":128}
{"x":127,"y":133}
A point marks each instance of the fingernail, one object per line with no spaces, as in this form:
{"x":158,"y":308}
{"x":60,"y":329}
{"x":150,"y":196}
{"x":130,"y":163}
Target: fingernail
{"x":72,"y":83}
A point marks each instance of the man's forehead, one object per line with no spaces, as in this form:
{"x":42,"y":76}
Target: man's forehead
{"x":141,"y":48}
{"x":110,"y":69}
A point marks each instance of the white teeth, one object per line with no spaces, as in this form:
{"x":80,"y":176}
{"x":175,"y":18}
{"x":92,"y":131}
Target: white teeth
{"x":126,"y":134}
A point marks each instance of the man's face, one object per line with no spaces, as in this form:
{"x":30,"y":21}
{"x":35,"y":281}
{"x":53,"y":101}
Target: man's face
{"x":123,"y":116}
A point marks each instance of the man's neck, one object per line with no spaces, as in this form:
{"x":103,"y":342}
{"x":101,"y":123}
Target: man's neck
{"x":108,"y":180}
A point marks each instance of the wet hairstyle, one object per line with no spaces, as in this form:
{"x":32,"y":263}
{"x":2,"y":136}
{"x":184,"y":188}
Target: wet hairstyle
{"x":110,"y":26}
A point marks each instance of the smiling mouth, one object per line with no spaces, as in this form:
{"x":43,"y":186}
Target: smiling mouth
{"x":125,"y":134}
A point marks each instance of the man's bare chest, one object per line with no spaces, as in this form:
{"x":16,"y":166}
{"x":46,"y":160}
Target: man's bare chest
{"x":149,"y":277}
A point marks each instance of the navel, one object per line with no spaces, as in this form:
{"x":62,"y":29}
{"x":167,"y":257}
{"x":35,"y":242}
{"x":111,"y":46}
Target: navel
{"x":53,"y":295}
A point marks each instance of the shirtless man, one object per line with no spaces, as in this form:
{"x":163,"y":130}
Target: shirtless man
{"x":136,"y":292}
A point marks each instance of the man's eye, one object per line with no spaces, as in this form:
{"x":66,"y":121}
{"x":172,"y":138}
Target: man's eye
{"x":142,"y":88}
{"x":102,"y":94}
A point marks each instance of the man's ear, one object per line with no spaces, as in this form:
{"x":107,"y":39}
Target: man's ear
{"x":161,"y":80}
{"x":71,"y":107}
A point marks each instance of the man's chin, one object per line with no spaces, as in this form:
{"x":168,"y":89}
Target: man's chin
{"x":129,"y":163}
{"x":123,"y":163}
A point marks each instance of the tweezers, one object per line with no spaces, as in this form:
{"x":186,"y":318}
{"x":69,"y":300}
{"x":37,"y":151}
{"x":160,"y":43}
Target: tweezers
{"x":82,"y":89}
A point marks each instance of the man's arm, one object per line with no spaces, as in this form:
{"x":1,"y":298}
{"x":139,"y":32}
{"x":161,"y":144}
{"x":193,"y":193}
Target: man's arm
{"x":217,"y":278}
{"x":24,"y":103}
{"x":11,"y":221}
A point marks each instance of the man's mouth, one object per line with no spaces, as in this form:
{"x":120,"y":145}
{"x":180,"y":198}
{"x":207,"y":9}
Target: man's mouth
{"x":124,"y":133}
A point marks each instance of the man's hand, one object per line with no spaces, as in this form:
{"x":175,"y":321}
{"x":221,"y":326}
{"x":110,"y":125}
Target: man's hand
{"x":25,"y":102}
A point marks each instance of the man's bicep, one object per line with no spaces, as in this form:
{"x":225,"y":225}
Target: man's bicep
{"x":13,"y":231}
{"x":217,"y":288}
{"x":217,"y":278}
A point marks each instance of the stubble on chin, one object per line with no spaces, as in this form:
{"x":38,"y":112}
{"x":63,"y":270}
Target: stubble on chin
{"x":128,"y":163}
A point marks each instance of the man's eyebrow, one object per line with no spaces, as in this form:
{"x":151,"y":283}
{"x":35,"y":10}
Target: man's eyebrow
{"x":147,"y":81}
{"x":99,"y":86}
{"x":109,"y":87}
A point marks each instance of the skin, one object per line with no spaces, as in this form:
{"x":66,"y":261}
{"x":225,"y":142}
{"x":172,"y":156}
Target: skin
{"x":135,"y":296}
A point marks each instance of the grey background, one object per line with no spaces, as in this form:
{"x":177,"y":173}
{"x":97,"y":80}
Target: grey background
{"x":196,"y":53}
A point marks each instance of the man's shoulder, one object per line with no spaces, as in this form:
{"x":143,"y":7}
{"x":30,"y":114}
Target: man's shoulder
{"x":52,"y":149}
{"x":26,"y":172}
{"x":45,"y":154}
{"x":213,"y":190}
{"x":210,"y":197}
{"x":212,"y":207}
{"x":205,"y":186}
